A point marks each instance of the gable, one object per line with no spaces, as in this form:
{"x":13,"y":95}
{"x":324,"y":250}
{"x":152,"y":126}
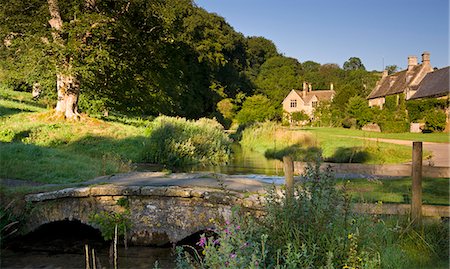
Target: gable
{"x":293,"y":95}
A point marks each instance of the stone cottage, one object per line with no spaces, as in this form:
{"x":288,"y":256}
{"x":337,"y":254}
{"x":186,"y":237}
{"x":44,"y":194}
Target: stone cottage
{"x":306,"y":100}
{"x":405,"y":82}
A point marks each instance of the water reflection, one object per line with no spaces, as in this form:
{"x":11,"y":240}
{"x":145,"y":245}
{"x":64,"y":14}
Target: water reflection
{"x":245,"y":162}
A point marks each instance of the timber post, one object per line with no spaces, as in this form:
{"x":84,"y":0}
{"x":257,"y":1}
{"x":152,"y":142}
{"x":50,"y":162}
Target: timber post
{"x":289,"y":175}
{"x":416,"y":174}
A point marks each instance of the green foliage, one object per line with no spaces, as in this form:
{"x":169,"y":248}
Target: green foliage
{"x":435,"y":120}
{"x":277,"y":77}
{"x":354,"y":63}
{"x":358,"y":109}
{"x":417,"y":108}
{"x":258,"y":108}
{"x":234,"y":247}
{"x":316,"y":229}
{"x":107,"y":221}
{"x":391,"y":69}
{"x":393,"y":118}
{"x":179,"y":142}
{"x":299,"y":116}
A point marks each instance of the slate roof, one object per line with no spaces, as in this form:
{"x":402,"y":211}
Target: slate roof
{"x":434,"y":84}
{"x":395,"y":83}
{"x":322,"y":95}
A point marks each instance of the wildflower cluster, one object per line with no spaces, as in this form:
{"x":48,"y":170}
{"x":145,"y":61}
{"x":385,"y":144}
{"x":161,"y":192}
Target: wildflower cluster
{"x":232,"y":247}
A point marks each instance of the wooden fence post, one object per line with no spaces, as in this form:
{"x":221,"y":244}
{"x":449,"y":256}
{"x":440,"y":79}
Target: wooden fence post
{"x":289,"y":175}
{"x":416,"y":174}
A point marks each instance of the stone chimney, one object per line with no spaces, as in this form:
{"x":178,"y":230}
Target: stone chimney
{"x":412,"y":61}
{"x":385,"y":74}
{"x":305,"y":89}
{"x":331,"y":87}
{"x":426,"y":58}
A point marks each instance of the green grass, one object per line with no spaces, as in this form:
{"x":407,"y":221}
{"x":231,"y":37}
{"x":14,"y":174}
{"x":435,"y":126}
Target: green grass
{"x":333,"y":139}
{"x":435,"y":190}
{"x":334,"y":145}
{"x":430,"y":137}
{"x":36,"y":145}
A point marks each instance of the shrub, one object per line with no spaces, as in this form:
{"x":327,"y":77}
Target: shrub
{"x":178,"y":142}
{"x":299,"y":116}
{"x":359,"y":110}
{"x":435,"y":120}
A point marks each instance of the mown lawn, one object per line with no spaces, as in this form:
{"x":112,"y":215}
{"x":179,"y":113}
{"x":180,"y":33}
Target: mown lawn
{"x":430,"y":137}
{"x":435,"y":191}
{"x":338,"y":146}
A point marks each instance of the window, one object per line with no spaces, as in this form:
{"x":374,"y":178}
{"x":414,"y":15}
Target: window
{"x":294,"y":103}
{"x":314,"y":103}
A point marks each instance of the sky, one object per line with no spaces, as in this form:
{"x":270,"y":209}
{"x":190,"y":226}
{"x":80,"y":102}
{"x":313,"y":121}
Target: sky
{"x":380,"y":33}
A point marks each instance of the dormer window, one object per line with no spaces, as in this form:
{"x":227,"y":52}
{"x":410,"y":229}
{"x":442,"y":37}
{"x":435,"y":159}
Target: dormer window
{"x":314,"y":103}
{"x":293,"y":102}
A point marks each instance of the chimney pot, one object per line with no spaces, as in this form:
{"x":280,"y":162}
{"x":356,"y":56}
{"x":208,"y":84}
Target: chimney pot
{"x":426,"y":57}
{"x":412,"y":61}
{"x":331,"y":87}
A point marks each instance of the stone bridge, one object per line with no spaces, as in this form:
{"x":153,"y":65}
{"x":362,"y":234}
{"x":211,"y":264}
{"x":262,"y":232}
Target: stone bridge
{"x":159,"y":215}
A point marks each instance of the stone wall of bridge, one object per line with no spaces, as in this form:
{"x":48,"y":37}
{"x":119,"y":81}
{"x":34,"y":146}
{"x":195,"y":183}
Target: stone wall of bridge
{"x":159,"y":215}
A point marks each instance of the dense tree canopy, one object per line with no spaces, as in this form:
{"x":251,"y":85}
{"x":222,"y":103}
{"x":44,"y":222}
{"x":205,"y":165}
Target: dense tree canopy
{"x":157,"y":57}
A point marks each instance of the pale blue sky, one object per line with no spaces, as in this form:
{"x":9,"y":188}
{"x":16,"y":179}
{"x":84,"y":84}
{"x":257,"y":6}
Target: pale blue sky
{"x":332,"y":31}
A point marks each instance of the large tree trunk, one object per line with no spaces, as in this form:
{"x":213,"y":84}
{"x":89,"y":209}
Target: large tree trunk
{"x":68,"y":92}
{"x":67,"y":83}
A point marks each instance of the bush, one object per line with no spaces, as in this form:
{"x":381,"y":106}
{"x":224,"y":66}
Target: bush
{"x":299,"y":116}
{"x":178,"y":142}
{"x":394,"y":126}
{"x":435,"y":120}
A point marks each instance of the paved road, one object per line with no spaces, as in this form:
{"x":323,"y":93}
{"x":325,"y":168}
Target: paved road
{"x":440,"y":151}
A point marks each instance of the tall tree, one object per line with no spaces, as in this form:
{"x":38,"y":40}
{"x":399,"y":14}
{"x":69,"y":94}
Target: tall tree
{"x":67,"y":82}
{"x":392,"y":69}
{"x":278,"y":76}
{"x":354,"y":63}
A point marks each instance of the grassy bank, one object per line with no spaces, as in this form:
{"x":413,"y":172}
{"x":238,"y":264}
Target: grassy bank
{"x":38,"y":145}
{"x":336,"y":145}
{"x":430,"y":137}
{"x":435,"y":190}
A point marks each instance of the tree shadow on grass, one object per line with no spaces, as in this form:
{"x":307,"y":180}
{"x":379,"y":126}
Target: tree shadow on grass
{"x":6,"y":111}
{"x":349,"y":155}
